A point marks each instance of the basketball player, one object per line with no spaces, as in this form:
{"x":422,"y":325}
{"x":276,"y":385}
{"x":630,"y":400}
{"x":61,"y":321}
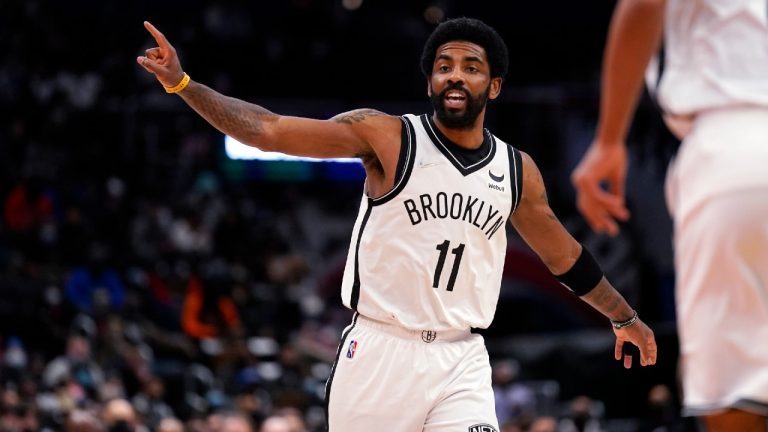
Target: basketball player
{"x":714,"y":94}
{"x":427,"y":250}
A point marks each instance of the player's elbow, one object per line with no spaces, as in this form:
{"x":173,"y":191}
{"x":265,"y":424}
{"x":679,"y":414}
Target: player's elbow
{"x":558,"y":265}
{"x":561,"y":260}
{"x":261,"y":139}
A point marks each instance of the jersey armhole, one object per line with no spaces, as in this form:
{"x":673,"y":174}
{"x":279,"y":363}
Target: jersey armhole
{"x":516,"y":178}
{"x":405,"y":161}
{"x":401,"y":159}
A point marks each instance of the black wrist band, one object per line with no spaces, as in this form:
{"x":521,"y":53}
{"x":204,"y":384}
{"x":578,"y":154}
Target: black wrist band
{"x":584,"y":276}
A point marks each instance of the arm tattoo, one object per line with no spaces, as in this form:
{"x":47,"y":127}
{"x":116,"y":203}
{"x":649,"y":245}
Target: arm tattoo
{"x":242,"y":120}
{"x":605,"y":299}
{"x":357,"y":116}
{"x":550,"y":214}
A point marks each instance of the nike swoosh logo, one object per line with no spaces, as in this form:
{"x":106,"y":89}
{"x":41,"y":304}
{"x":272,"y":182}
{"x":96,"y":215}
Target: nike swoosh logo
{"x":497,"y":179}
{"x":423,"y":164}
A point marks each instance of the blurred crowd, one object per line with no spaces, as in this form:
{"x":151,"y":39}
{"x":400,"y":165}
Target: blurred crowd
{"x":178,"y":309}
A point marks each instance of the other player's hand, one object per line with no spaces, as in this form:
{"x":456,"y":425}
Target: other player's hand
{"x":642,"y":337}
{"x":161,"y":60}
{"x":603,"y":164}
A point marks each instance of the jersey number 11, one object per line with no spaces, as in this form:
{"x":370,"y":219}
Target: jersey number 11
{"x":458,"y":252}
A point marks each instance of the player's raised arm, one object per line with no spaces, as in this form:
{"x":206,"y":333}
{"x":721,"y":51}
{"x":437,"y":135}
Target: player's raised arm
{"x":346,"y":135}
{"x":574,"y":266}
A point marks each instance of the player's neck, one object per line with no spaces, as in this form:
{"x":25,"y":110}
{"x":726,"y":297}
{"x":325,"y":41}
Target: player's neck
{"x":469,"y":138}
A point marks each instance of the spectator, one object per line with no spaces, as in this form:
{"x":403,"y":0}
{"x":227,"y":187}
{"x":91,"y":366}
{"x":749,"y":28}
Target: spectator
{"x":513,"y":400}
{"x":663,"y":413}
{"x":544,"y":424}
{"x":119,"y":416}
{"x":189,"y":235}
{"x":207,"y":313}
{"x":149,"y":402}
{"x":97,"y":287}
{"x":14,"y":359}
{"x":15,"y":414}
{"x":27,"y":209}
{"x":276,"y":424}
{"x":170,"y":424}
{"x":80,"y":420}
{"x":293,"y":417}
{"x":236,"y":422}
{"x":27,"y":206}
{"x":581,"y":416}
{"x":75,"y":366}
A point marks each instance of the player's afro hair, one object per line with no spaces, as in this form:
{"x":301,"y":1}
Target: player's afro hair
{"x":469,"y":30}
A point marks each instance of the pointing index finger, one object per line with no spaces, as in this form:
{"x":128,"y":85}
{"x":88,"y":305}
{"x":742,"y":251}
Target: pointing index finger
{"x":159,"y":37}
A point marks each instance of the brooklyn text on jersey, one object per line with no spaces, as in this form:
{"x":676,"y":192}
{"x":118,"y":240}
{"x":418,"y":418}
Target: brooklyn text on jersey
{"x":458,"y":207}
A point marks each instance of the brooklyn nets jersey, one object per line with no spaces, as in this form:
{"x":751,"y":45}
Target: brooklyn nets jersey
{"x":429,"y":254}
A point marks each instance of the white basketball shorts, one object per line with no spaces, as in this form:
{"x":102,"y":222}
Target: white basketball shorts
{"x":718,"y":193}
{"x":387,"y":378}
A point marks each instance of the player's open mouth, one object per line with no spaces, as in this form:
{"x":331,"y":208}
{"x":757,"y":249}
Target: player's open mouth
{"x":455,"y":99}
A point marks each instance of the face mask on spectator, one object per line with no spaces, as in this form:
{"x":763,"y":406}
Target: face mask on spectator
{"x":120,"y":426}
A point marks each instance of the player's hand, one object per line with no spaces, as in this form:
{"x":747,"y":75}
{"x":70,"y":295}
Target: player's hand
{"x":161,"y":60}
{"x":603,"y":164}
{"x":642,"y":337}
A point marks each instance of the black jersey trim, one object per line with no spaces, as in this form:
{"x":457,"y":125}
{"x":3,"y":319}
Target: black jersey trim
{"x":405,"y":150}
{"x":405,"y":162}
{"x":465,"y":160}
{"x":516,"y":169}
{"x":355,"y":296}
{"x":333,"y":369}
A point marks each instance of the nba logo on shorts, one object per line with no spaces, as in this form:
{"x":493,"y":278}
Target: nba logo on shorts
{"x":482,"y":428}
{"x":352,"y":348}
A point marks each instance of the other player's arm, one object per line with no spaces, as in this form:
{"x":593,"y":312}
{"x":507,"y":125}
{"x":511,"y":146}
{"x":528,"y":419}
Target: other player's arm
{"x":346,"y":135}
{"x":633,"y":38}
{"x":566,"y":258}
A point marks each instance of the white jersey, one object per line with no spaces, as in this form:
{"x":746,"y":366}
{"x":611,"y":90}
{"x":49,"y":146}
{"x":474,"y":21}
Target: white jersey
{"x":715,"y":86}
{"x":430,"y":253}
{"x":716,"y":55}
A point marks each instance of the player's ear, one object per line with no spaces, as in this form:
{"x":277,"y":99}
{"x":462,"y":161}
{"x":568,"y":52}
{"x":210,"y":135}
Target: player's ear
{"x":495,"y":89}
{"x":429,"y":88}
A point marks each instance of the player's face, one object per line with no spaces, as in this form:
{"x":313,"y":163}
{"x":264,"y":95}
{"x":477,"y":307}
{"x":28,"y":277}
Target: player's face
{"x":461,"y":84}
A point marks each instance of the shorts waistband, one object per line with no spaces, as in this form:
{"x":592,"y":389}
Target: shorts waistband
{"x":427,"y":336}
{"x":682,"y":125}
{"x":736,"y":113}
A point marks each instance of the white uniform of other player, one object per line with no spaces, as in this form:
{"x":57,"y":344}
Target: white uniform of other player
{"x":424,"y":267}
{"x":716,"y":80}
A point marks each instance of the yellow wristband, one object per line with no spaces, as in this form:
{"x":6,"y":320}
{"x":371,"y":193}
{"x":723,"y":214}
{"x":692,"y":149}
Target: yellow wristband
{"x":180,"y":86}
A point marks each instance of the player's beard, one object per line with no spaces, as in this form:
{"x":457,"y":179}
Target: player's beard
{"x":459,"y":119}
